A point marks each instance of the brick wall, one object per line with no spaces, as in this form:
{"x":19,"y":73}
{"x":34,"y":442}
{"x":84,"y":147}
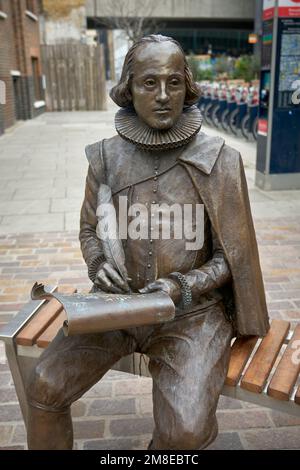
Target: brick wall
{"x":19,"y":33}
{"x":7,"y":63}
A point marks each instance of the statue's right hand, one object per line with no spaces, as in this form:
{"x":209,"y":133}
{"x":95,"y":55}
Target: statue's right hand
{"x":109,"y":280}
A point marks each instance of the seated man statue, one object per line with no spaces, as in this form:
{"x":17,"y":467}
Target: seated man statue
{"x":160,"y":157}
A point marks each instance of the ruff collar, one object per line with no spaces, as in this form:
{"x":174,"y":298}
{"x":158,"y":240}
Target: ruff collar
{"x":134,"y":130}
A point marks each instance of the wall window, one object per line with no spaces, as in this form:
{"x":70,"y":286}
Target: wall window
{"x":36,"y":79}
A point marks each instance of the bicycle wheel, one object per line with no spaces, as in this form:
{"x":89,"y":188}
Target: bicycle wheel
{"x":245,"y":126}
{"x":206,"y":115}
{"x":255,"y":128}
{"x":232,"y":121}
{"x":224,"y":120}
{"x":215,"y":117}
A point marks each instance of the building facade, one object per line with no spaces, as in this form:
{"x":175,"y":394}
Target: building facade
{"x":22,"y":95}
{"x":201,"y":26}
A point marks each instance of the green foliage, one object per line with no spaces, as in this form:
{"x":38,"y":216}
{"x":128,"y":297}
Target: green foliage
{"x":246,"y":67}
{"x":198,"y":72}
{"x":207,"y":74}
{"x":224,"y":66}
{"x":194,"y":66}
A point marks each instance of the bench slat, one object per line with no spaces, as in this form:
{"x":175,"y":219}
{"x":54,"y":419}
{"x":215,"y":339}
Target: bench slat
{"x":287,"y":371}
{"x":240,"y":353}
{"x":43,"y":318}
{"x":49,"y":334}
{"x":257,"y":373}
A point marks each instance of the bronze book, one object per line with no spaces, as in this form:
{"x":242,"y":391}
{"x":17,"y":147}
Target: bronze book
{"x":96,"y":312}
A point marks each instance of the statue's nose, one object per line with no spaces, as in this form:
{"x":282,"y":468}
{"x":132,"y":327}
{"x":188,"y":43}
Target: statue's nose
{"x":162,"y":95}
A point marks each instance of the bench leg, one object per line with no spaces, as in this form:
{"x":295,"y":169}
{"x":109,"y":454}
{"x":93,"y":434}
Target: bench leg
{"x":17,"y":376}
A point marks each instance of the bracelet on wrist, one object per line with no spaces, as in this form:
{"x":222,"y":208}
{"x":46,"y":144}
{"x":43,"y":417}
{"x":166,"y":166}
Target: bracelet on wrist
{"x":186,"y":292}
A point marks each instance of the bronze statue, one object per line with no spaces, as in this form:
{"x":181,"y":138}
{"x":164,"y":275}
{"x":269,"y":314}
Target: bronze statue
{"x":160,"y":156}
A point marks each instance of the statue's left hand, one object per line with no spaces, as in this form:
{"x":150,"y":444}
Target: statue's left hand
{"x":166,"y":285}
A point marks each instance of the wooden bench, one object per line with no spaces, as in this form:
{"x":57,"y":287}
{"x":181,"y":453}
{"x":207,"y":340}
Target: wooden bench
{"x":261,"y":371}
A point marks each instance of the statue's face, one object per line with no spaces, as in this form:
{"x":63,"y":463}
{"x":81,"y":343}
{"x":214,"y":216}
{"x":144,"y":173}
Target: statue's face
{"x":158,"y":86}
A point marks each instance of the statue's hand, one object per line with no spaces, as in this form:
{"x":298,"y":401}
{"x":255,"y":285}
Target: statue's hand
{"x":166,"y":285}
{"x":109,"y":280}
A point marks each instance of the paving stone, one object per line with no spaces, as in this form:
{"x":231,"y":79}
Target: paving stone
{"x":133,"y":387}
{"x":113,"y":444}
{"x":78,"y":409}
{"x":100,"y":390}
{"x":25,"y":207}
{"x":145,"y":405}
{"x":228,"y":403}
{"x":29,"y":223}
{"x":5,"y":434}
{"x":10,"y":413}
{"x":5,"y":379}
{"x":36,"y":193}
{"x":243,"y":419}
{"x":226,"y":441}
{"x":72,"y":220}
{"x":19,"y":434}
{"x":131,"y":427}
{"x":88,"y":429}
{"x":8,"y":395}
{"x":66,"y":205}
{"x":112,"y":407}
{"x":12,"y":448}
{"x":283,"y":438}
{"x":284,"y":419}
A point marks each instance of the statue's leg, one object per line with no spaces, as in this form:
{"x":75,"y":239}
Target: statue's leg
{"x":65,"y":371}
{"x":189,"y":359}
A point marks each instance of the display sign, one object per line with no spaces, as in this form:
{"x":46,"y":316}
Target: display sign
{"x":268,"y":9}
{"x":289,"y":8}
{"x":289,"y":64}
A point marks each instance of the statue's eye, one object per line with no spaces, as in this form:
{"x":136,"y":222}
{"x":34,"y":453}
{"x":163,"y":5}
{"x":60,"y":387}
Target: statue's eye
{"x":149,"y":82}
{"x":174,"y":81}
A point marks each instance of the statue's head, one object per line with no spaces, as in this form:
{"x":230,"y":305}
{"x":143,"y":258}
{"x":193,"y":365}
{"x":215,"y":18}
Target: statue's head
{"x":156,"y":81}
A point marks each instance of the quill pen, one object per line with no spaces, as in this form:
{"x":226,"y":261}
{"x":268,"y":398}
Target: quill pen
{"x":107,"y":231}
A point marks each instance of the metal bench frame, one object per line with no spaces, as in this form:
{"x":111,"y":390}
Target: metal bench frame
{"x":21,"y":360}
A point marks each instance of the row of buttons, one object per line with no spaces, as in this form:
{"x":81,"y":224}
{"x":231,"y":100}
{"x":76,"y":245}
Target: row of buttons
{"x":154,"y":190}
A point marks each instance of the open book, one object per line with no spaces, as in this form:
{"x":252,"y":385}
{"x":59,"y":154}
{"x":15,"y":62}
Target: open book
{"x":96,"y":312}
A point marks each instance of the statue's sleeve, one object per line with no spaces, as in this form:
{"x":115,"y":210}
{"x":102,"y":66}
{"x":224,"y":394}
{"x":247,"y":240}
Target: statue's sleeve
{"x":213,"y":274}
{"x":91,"y":246}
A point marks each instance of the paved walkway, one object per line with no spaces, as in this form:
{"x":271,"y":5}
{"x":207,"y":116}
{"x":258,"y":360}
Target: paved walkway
{"x":43,"y":170}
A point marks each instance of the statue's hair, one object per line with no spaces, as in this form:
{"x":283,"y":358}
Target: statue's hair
{"x":121,"y":93}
